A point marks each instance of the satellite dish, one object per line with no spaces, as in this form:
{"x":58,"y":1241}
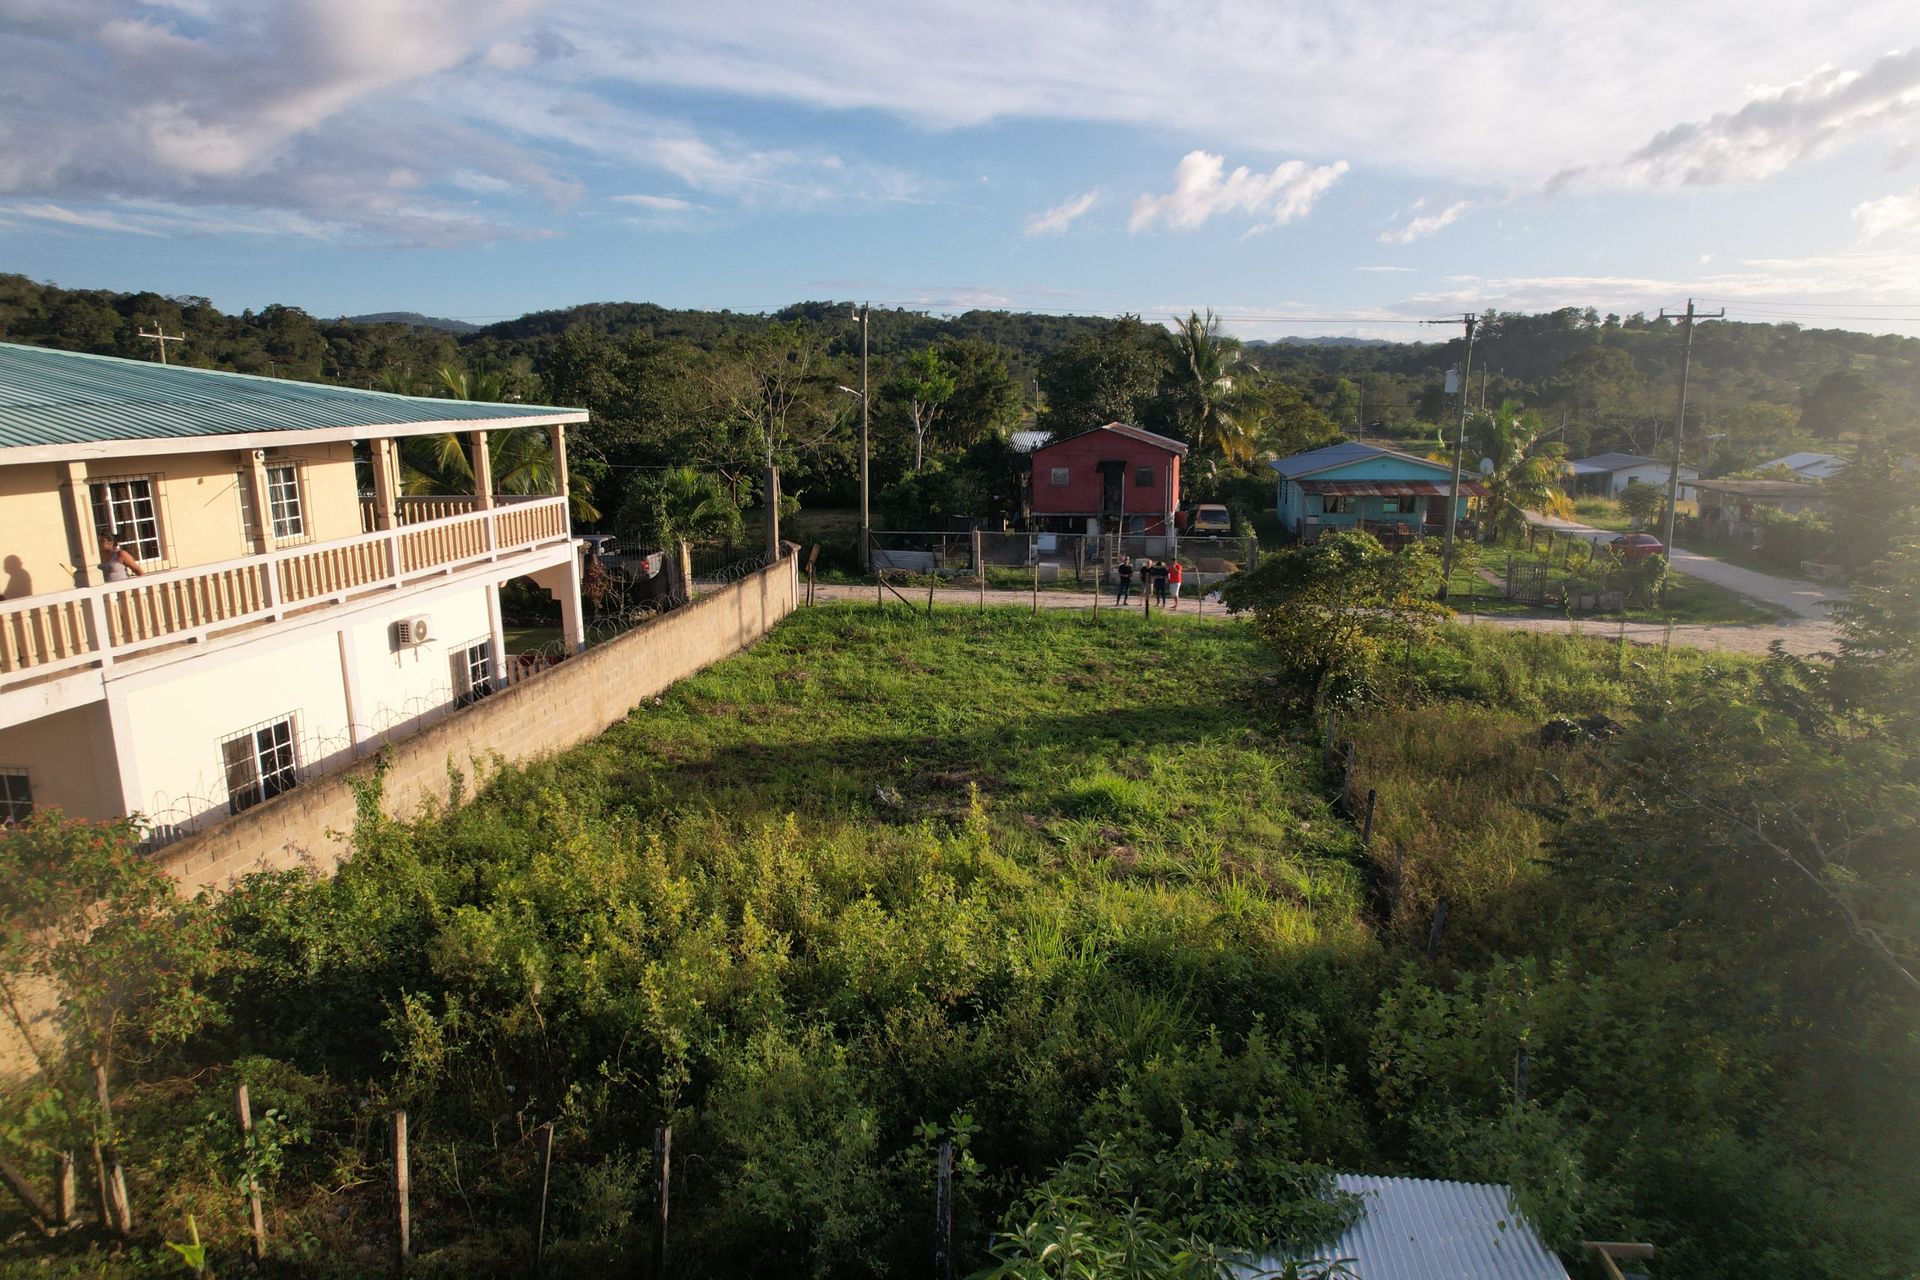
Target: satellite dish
{"x":1486,"y":466}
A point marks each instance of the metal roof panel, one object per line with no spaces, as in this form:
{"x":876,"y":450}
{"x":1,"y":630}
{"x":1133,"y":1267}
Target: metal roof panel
{"x":1427,"y":1229}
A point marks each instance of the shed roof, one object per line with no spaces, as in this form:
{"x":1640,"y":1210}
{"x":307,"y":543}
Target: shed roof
{"x":1339,"y":455}
{"x":1791,"y":489}
{"x":1426,"y":1229}
{"x":1391,"y":488}
{"x":1601,"y":463}
{"x":1821,"y":464}
{"x":67,"y":404}
{"x":1028,"y":441}
{"x":1130,"y":432}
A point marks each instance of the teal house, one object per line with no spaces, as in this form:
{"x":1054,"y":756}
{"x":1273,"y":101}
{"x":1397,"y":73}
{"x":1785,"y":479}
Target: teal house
{"x":1354,"y":485}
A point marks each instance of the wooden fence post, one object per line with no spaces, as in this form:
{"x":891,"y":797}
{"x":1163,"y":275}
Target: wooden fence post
{"x":402,"y":1183}
{"x":663,"y":1169}
{"x":243,"y":1105}
{"x":879,"y":598}
{"x":1439,"y":927}
{"x":943,"y":1215}
{"x":543,"y":1144}
{"x":1366,"y":830}
{"x":1036,"y":588}
{"x":980,"y":565}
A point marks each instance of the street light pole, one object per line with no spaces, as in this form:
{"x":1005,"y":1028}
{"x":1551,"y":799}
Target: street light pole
{"x":866,"y":520}
{"x":1459,"y":447}
{"x":1680,"y":422}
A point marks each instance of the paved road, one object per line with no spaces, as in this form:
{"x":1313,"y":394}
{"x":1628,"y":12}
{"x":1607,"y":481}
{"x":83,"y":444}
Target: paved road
{"x":1790,"y":595}
{"x":1800,"y":636}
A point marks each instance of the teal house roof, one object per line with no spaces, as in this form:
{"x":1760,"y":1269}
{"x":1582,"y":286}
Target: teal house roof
{"x":61,"y":404}
{"x":1345,"y":454}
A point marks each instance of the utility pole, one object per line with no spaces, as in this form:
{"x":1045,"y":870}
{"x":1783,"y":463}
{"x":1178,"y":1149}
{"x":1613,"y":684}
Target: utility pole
{"x":866,"y":521}
{"x":1680,"y":420}
{"x":162,"y":337}
{"x":1459,"y":446}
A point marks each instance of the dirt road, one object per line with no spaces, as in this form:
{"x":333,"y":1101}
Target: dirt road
{"x":1803,"y":636}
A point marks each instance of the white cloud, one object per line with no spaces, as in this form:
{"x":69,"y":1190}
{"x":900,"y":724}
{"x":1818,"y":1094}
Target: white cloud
{"x":1889,"y":215}
{"x":1426,"y":224}
{"x":1057,"y":219}
{"x":1386,"y":269}
{"x":659,"y":204}
{"x":1775,"y":129}
{"x":1202,"y":188}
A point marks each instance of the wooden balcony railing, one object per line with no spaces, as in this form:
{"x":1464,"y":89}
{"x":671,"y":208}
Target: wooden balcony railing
{"x":41,"y":635}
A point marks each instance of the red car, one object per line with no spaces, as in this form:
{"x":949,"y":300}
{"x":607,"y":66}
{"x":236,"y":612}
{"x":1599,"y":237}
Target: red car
{"x":1637,"y":546}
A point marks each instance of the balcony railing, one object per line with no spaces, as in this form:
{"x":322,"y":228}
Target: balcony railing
{"x":99,"y":625}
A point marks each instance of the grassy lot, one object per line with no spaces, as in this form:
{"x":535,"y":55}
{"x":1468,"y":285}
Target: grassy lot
{"x":1687,"y":600}
{"x":1601,"y":513}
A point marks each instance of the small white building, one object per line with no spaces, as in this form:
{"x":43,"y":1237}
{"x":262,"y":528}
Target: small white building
{"x":1808,"y":466}
{"x":1428,"y":1229}
{"x":278,"y":623}
{"x":1609,"y":474}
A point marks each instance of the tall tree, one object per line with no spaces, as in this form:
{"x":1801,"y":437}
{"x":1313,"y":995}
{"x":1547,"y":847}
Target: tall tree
{"x":1520,"y":469}
{"x":1095,"y":379}
{"x":1212,"y":399}
{"x":923,"y":384}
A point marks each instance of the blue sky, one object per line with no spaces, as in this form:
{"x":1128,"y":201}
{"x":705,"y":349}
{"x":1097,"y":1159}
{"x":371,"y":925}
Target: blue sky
{"x":1300,"y":167}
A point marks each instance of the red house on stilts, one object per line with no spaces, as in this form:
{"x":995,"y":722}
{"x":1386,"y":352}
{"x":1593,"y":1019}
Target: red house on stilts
{"x":1111,"y":479}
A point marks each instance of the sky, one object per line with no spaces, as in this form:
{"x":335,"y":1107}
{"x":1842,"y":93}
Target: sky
{"x":1303,"y":167}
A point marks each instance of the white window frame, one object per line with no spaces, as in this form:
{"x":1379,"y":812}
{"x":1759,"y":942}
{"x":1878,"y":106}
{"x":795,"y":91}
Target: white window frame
{"x":261,"y":762}
{"x":122,"y":513}
{"x":16,"y":794}
{"x":474,"y":676}
{"x":286,"y":501}
{"x":1060,"y":476}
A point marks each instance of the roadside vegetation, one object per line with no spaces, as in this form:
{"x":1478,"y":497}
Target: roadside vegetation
{"x":1634,"y":933}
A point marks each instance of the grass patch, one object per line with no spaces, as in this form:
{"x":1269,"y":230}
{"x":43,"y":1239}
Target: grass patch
{"x":1687,"y":600}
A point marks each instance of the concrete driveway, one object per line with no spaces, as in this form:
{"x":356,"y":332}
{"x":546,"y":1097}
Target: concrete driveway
{"x":1789,"y":595}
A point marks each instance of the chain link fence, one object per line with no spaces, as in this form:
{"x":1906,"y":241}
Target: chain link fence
{"x":1013,"y":560}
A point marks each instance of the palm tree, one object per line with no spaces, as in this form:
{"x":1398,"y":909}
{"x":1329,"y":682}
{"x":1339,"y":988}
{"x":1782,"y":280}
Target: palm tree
{"x":1219,"y":411}
{"x":1520,"y":469}
{"x":521,"y":457}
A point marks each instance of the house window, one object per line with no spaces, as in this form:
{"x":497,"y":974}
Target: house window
{"x":1143,"y":477}
{"x":1339,"y":506}
{"x":124,"y":509}
{"x":1394,"y":506}
{"x":472,"y":672}
{"x":1059,"y":475}
{"x":16,"y":795}
{"x":260,"y":763}
{"x":284,"y":501}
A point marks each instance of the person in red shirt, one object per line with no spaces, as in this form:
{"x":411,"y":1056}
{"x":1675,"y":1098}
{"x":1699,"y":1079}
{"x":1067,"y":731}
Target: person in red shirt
{"x":1173,"y":581}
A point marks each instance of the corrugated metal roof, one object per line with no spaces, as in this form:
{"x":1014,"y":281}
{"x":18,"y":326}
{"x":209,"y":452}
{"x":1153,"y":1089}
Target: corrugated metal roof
{"x":1339,"y":455}
{"x":1426,"y":1229}
{"x":1608,"y":462}
{"x":65,"y":397}
{"x":1132,"y":433}
{"x":1390,"y":488}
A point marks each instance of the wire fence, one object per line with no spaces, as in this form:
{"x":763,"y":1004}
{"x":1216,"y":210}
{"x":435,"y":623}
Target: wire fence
{"x":1056,"y":561}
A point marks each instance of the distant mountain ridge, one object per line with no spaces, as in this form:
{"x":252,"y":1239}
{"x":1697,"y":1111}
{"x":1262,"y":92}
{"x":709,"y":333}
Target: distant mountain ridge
{"x":413,"y":318}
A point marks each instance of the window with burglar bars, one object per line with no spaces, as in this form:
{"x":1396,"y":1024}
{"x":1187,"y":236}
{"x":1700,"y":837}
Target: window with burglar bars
{"x":16,"y":795}
{"x":260,"y":763}
{"x":285,"y":500}
{"x":473,"y":672}
{"x":124,"y":508}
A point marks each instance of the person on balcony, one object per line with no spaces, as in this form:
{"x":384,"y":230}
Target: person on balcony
{"x":116,"y":562}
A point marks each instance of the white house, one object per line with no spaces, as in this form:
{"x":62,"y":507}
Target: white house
{"x":1609,"y":474}
{"x":280,"y":621}
{"x":1808,"y":466}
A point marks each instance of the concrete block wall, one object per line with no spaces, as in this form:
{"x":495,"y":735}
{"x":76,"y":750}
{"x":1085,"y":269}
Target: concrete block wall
{"x":560,"y":707}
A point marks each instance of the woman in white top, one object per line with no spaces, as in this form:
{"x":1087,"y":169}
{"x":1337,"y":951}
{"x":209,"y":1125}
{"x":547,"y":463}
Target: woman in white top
{"x":116,"y":562}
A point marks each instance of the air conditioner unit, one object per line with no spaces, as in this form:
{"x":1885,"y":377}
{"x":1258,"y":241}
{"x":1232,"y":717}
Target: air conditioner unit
{"x":411,"y":631}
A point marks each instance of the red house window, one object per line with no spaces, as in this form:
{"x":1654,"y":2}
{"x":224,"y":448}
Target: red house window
{"x":1059,"y":475}
{"x":1143,"y":478}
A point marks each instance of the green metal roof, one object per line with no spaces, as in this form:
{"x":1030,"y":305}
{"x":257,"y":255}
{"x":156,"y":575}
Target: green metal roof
{"x":52,"y":398}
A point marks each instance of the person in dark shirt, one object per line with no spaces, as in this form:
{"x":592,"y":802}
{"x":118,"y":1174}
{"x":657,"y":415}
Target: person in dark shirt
{"x":1159,"y":572}
{"x":1124,"y":572}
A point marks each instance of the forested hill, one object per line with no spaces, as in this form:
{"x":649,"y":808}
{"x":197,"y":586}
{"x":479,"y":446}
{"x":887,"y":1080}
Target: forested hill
{"x":1607,"y":382}
{"x":413,"y":318}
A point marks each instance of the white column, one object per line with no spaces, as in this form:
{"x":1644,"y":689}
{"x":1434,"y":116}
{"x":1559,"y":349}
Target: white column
{"x":559,"y":438}
{"x":572,"y":618}
{"x":256,"y":472}
{"x":126,"y":767}
{"x":497,"y":635}
{"x":357,"y":732}
{"x":386,"y":484}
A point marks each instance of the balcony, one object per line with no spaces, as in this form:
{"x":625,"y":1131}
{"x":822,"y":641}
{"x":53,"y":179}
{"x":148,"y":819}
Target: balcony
{"x":97,"y":626}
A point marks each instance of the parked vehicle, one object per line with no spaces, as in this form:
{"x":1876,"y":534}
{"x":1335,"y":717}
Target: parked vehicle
{"x":1210,"y":520}
{"x":1637,"y":546}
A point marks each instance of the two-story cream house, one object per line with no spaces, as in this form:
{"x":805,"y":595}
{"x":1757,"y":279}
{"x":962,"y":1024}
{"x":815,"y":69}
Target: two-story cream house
{"x":285,"y":608}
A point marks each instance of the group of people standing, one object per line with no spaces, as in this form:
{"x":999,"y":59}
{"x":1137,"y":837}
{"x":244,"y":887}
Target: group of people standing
{"x":1162,"y":577}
